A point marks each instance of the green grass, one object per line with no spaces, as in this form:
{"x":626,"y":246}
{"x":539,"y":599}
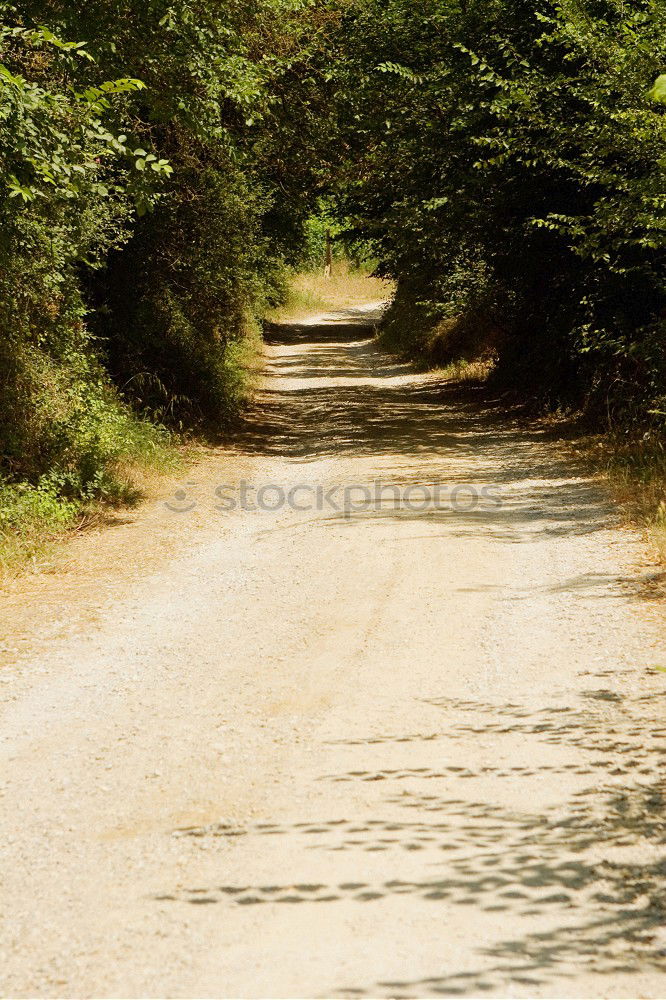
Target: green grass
{"x":30,"y":520}
{"x":115,"y":460}
{"x":34,"y":519}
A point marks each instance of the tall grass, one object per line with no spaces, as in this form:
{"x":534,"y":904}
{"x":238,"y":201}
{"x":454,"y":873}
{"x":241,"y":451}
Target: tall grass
{"x":312,"y":292}
{"x":636,"y":471}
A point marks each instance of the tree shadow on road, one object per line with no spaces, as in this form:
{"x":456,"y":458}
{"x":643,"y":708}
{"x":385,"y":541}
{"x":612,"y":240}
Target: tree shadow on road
{"x":556,"y":892}
{"x":418,"y":430}
{"x":499,"y":862}
{"x":582,"y":884}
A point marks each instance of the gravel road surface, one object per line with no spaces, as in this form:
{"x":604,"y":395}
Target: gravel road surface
{"x":405,"y":741}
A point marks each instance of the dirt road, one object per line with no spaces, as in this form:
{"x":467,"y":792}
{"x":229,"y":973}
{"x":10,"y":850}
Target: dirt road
{"x":359,"y":750}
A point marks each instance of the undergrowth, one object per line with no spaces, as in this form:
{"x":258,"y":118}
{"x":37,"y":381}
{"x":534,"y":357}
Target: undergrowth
{"x":636,"y":471}
{"x":35,"y":517}
{"x":464,"y":348}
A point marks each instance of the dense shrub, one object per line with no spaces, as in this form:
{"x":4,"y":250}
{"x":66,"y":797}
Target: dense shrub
{"x":507,"y":159}
{"x":152,"y":187}
{"x":62,"y":207}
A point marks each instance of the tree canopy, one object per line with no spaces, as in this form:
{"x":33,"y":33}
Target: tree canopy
{"x":161,"y":163}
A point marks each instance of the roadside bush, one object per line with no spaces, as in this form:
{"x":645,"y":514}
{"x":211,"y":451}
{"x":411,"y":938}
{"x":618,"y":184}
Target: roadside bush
{"x":507,"y":158}
{"x":147,"y":209}
{"x":62,"y":208}
{"x":184,"y":290}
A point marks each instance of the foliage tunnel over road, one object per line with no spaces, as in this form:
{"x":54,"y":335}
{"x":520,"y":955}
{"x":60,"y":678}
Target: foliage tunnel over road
{"x":503,"y":160}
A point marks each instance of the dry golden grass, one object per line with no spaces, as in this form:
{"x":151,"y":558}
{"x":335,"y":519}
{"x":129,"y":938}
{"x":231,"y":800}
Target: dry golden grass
{"x":635,"y":471}
{"x":639,"y":485}
{"x":469,"y":371}
{"x":312,"y":292}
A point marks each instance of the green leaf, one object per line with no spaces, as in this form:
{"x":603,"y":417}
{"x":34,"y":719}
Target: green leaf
{"x":658,"y":92}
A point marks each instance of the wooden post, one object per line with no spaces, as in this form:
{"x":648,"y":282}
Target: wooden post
{"x":328,"y":266}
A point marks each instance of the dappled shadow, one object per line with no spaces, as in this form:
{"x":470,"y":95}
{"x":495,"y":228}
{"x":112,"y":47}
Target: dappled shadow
{"x":370,"y":409}
{"x":363,"y":402}
{"x":515,"y":513}
{"x":627,"y":731}
{"x":340,"y":326}
{"x":591,"y":866}
{"x":356,"y":360}
{"x":499,"y":861}
{"x":551,"y":884}
{"x":529,"y":850}
{"x":400,"y":738}
{"x":338,"y":397}
{"x":317,"y":333}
